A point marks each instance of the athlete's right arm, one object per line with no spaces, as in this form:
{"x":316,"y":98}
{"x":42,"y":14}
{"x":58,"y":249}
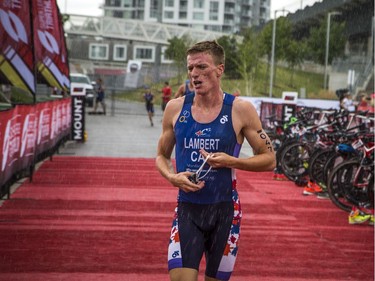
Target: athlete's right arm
{"x":166,"y":144}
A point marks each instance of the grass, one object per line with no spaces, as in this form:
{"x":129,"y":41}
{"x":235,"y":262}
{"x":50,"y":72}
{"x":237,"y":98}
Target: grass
{"x":284,"y":80}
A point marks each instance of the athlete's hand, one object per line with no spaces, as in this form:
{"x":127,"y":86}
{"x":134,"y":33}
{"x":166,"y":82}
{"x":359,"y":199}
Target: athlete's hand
{"x":181,"y":180}
{"x":217,"y":159}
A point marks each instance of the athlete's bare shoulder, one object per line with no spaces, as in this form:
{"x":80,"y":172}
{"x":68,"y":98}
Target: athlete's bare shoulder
{"x":173,"y":109}
{"x":244,"y":107}
{"x":244,"y":114}
{"x":176,"y":103}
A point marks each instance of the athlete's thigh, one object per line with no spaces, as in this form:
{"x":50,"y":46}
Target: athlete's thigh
{"x":222,"y":244}
{"x":186,"y":245}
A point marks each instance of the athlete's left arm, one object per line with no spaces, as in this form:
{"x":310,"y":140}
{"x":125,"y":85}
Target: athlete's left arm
{"x":247,"y":125}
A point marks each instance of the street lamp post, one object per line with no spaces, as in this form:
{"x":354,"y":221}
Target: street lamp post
{"x":273,"y":50}
{"x":327,"y":46}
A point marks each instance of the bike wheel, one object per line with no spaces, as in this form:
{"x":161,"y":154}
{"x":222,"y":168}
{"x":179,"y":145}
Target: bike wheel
{"x":316,"y":165}
{"x":334,"y":159}
{"x":371,"y":189}
{"x":329,"y":166}
{"x":279,"y":152}
{"x":343,"y":186}
{"x":294,"y":161}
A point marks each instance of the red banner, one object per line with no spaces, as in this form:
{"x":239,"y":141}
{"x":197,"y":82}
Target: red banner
{"x":50,"y":49}
{"x":18,"y":140}
{"x":28,"y":131}
{"x":16,"y":45}
{"x":6,"y":122}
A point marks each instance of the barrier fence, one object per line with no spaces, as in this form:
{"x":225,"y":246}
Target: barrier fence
{"x":29,"y":134}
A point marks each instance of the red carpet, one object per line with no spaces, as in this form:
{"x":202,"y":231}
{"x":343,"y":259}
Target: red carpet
{"x":88,"y":219}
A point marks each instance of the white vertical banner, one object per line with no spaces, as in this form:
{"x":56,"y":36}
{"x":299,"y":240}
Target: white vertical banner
{"x":351,"y":79}
{"x":133,"y":71}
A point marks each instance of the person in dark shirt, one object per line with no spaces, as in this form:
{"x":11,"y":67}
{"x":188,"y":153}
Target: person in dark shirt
{"x":185,"y":89}
{"x":100,"y":95}
{"x":148,"y":97}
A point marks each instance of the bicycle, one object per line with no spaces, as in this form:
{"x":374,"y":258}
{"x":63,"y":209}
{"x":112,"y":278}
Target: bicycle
{"x":352,"y":182}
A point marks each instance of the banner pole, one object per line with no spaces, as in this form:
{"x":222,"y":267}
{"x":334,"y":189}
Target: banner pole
{"x":33,"y":48}
{"x":31,"y":8}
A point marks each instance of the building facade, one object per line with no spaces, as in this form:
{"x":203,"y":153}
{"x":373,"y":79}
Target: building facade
{"x":140,"y":29}
{"x":227,"y":16}
{"x":103,"y":46}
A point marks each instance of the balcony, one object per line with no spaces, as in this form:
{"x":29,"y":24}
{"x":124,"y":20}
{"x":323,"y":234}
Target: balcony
{"x":246,"y":14}
{"x":246,"y":2}
{"x":229,"y":10}
{"x":228,"y":22}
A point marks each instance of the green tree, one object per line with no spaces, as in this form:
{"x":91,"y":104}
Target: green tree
{"x":248,"y":56}
{"x":294,"y":56}
{"x":176,"y":51}
{"x":64,"y":18}
{"x":317,"y":41}
{"x":231,"y":56}
{"x":283,"y":36}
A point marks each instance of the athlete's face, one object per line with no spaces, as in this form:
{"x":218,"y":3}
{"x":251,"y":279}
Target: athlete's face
{"x":203,"y":72}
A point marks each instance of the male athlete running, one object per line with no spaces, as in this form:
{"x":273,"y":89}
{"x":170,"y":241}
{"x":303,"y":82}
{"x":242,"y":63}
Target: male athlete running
{"x":207,"y":130}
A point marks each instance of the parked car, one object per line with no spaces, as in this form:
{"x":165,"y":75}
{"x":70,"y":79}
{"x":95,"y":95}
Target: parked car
{"x":84,"y":81}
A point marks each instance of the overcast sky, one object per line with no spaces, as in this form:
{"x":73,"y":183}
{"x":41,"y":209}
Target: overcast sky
{"x":91,"y":7}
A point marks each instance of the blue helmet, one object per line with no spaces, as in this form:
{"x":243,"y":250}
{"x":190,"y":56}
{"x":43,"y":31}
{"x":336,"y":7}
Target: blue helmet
{"x":345,"y":148}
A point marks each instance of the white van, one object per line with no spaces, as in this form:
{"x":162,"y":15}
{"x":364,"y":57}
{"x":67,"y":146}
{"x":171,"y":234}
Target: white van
{"x":85,"y":82}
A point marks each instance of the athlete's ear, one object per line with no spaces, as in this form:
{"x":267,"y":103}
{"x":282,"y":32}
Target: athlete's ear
{"x":220,"y":70}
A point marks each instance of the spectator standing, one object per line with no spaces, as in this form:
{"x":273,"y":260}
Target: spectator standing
{"x":364,"y":103}
{"x":346,"y":102}
{"x":100,"y":95}
{"x":372,"y":103}
{"x":148,"y":97}
{"x":166,"y":95}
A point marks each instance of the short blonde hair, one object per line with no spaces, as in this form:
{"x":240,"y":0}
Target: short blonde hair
{"x":210,"y":47}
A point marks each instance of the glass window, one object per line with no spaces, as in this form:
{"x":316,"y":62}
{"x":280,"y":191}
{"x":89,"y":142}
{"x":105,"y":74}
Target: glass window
{"x":183,"y":5}
{"x":169,"y":3}
{"x":183,"y":15}
{"x":80,"y":79}
{"x":144,"y":53}
{"x":127,"y":3}
{"x":115,"y":3}
{"x":214,"y":11}
{"x":154,"y":9}
{"x":118,"y":14}
{"x":168,"y":14}
{"x":98,"y":51}
{"x":214,"y":7}
{"x":199,"y":4}
{"x":198,"y":16}
{"x":119,"y":52}
{"x":214,"y":17}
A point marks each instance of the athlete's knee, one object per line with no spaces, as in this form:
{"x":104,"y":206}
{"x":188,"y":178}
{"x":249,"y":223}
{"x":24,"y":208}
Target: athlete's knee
{"x":183,"y":274}
{"x":206,"y":278}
